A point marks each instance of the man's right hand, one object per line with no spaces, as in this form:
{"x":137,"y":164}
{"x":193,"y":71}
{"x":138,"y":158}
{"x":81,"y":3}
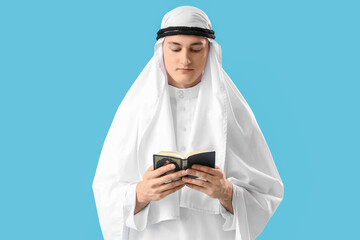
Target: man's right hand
{"x":153,"y":186}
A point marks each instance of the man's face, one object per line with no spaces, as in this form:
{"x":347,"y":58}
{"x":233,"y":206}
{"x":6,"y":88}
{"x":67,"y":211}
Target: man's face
{"x":185,"y":52}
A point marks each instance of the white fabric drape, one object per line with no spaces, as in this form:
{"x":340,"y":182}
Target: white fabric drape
{"x":190,"y":223}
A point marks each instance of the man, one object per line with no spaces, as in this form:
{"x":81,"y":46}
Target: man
{"x":184,"y":101}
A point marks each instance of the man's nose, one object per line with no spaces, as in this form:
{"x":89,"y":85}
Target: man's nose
{"x":185,"y":60}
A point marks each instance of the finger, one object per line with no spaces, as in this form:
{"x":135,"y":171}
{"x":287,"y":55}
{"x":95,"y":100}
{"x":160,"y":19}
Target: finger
{"x":197,"y":182}
{"x":200,"y":174}
{"x":170,"y":177}
{"x":206,"y":169}
{"x":167,"y":186}
{"x":196,"y":187}
{"x":161,"y":170}
{"x":167,"y":192}
{"x":219,"y":170}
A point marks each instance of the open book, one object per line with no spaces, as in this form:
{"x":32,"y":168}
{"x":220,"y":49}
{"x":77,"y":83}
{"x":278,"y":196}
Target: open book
{"x":201,"y":157}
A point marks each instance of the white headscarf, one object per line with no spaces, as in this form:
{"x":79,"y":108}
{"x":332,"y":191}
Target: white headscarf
{"x":223,"y":122}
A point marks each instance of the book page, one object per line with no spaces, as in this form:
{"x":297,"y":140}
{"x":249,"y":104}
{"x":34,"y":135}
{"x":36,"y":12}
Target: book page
{"x":171,"y":154}
{"x":196,"y":152}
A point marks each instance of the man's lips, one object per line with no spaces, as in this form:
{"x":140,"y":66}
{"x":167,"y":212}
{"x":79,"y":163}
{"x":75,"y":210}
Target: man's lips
{"x":185,"y":69}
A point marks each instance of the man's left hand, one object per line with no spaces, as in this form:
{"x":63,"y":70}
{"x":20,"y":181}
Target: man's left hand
{"x":214,"y":183}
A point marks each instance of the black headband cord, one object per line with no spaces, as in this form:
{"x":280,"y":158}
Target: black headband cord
{"x":182,"y":30}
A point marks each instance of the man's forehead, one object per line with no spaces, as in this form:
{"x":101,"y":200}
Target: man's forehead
{"x":192,"y":44}
{"x":180,"y":40}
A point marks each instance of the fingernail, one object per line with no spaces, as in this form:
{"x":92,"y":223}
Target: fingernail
{"x":172,"y":166}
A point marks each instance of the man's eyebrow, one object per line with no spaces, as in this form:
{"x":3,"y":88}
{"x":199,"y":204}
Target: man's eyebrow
{"x":176,"y":43}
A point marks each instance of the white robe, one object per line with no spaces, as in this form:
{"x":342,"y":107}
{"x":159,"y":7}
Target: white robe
{"x":223,"y":122}
{"x":192,"y":224}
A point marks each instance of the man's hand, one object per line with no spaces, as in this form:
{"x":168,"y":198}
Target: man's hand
{"x":153,"y":186}
{"x":214,"y":184}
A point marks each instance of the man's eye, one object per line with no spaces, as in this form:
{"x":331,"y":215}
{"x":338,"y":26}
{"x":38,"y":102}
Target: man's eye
{"x":178,"y":50}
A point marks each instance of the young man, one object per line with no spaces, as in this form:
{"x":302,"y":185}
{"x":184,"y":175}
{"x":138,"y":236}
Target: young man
{"x":184,"y":101}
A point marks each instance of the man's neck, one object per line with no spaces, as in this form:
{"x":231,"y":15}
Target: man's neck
{"x":175,"y":84}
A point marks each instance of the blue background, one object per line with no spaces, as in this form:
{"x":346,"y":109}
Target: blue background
{"x":65,"y":66}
